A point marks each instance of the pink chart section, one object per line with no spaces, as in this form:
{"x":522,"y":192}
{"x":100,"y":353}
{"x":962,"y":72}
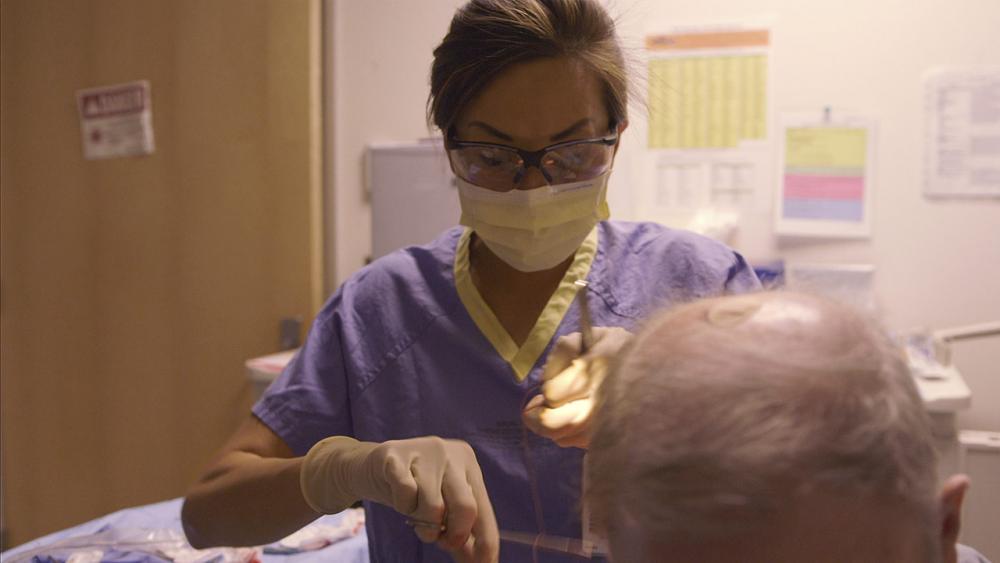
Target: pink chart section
{"x":809,"y":186}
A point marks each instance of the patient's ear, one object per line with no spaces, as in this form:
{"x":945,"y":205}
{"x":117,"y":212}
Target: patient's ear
{"x":950,"y":515}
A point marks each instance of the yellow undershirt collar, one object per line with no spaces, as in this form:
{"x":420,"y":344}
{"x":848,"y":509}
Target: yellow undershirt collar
{"x":522,"y":359}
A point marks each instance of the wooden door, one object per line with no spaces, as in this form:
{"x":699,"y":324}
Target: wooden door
{"x":133,"y":289}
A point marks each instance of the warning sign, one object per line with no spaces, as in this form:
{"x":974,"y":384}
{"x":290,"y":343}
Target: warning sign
{"x":116,"y":120}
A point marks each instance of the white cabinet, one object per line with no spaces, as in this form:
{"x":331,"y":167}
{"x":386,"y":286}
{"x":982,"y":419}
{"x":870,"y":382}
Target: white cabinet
{"x":413,"y":194}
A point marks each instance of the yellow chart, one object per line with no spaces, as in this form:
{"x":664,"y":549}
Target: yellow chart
{"x":825,"y":147}
{"x":707,"y":101}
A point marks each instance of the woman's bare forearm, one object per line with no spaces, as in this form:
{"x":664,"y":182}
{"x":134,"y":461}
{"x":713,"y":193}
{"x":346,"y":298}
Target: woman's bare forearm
{"x":245,"y":499}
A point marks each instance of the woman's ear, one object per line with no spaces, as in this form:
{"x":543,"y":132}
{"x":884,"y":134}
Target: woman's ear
{"x":950,"y":515}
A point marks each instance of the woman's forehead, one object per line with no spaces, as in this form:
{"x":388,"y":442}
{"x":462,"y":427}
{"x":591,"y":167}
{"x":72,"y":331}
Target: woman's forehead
{"x":533,"y":101}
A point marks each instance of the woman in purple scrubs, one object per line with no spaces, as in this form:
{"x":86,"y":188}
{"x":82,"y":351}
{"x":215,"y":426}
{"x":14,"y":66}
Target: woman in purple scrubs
{"x":412,"y":391}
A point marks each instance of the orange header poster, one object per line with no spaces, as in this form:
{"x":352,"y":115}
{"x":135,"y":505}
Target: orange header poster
{"x":708,"y":88}
{"x":709,"y":40}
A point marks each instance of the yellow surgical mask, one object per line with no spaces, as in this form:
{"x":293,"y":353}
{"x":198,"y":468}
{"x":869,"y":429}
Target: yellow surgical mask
{"x":535,"y":229}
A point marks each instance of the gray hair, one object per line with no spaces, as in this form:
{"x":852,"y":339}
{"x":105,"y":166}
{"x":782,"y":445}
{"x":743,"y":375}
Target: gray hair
{"x":724,"y":409}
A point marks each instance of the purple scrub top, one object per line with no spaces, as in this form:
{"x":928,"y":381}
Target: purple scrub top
{"x":394,"y":354}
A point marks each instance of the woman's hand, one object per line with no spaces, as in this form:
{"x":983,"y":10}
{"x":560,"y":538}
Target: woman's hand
{"x":562,"y":411}
{"x":428,"y":479}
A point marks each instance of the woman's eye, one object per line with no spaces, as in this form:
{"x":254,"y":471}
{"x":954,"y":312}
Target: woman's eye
{"x":491,"y":158}
{"x":563,"y":161}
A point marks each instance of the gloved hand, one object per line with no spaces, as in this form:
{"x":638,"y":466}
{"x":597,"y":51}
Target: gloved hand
{"x":428,"y":479}
{"x":562,"y":411}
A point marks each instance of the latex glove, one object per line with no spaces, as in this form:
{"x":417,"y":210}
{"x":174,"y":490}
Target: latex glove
{"x":562,"y":411}
{"x":428,"y":479}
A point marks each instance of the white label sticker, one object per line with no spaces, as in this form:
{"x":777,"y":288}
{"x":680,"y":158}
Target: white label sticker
{"x":116,"y":120}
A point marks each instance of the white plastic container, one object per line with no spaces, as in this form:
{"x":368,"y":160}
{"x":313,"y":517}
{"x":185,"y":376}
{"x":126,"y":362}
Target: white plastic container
{"x":265,"y":369}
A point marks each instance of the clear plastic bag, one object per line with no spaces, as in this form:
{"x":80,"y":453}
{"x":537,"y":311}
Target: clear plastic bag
{"x":318,"y":535}
{"x":133,"y":546}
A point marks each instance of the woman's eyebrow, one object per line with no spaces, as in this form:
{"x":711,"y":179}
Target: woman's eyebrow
{"x":557,"y":137}
{"x":492,"y":131}
{"x":571,"y":129}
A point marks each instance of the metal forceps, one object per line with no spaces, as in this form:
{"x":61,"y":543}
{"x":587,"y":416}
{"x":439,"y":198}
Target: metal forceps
{"x":560,"y":544}
{"x":586,"y":332}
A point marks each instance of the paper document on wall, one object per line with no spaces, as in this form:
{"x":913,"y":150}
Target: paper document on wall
{"x":707,"y":130}
{"x":694,"y":182}
{"x":962,"y":142}
{"x":707,"y":88}
{"x":825,"y":176}
{"x":116,"y":120}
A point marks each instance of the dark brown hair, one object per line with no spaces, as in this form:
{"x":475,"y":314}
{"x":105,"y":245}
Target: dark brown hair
{"x":488,"y":36}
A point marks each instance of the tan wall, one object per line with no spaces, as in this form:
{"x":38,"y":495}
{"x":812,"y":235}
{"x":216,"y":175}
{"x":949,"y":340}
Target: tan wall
{"x":133,"y":289}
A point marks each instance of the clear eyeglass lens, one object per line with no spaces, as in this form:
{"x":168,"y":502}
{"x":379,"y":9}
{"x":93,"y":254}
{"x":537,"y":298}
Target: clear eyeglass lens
{"x":487,"y":167}
{"x":498,"y":168}
{"x":576,"y":163}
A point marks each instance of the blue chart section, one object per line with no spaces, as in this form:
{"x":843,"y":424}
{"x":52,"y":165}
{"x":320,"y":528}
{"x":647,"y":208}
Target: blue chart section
{"x":824,"y":209}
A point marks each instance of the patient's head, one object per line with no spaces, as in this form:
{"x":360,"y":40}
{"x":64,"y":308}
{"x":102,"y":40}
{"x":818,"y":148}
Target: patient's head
{"x":766,"y":427}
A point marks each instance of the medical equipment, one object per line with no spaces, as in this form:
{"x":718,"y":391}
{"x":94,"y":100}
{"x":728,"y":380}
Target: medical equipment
{"x":942,"y":338}
{"x":263,"y":370}
{"x":929,"y":355}
{"x":979,"y":458}
{"x":573,"y":380}
{"x":975,"y":453}
{"x":413,"y":523}
{"x":559,"y":544}
{"x":586,"y":334}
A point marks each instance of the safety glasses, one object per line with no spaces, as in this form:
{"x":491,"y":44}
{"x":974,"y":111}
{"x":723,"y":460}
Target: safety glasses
{"x":501,"y":168}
